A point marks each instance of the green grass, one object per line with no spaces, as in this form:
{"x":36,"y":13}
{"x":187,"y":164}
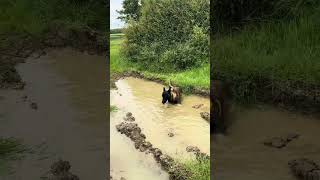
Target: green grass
{"x":34,"y":16}
{"x":113,"y":108}
{"x":200,"y":170}
{"x":187,"y":80}
{"x":10,"y":149}
{"x":282,"y":52}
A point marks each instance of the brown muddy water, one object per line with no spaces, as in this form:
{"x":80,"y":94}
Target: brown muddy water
{"x":241,"y":154}
{"x":143,"y":99}
{"x":70,"y":122}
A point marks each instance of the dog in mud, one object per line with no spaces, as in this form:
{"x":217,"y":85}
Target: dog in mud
{"x":220,"y":99}
{"x":172,"y":95}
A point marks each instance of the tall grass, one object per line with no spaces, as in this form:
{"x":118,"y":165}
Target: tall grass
{"x":285,"y":52}
{"x":198,"y":77}
{"x":34,"y":16}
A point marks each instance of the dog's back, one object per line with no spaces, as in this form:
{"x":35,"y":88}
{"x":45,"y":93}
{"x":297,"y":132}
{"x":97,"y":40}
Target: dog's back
{"x":176,"y":94}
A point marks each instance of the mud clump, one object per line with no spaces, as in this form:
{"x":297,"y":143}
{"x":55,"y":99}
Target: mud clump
{"x":34,"y":105}
{"x":205,"y":115}
{"x":197,"y":106}
{"x":199,"y":155}
{"x":280,"y":142}
{"x":129,"y":117}
{"x":170,"y":134}
{"x":305,"y":169}
{"x":60,"y":171}
{"x":167,"y":163}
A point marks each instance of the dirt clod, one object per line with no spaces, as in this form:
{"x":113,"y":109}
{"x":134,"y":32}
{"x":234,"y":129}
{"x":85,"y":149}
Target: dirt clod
{"x":205,"y":115}
{"x":34,"y":105}
{"x":305,"y":169}
{"x":60,"y":171}
{"x":197,"y":106}
{"x":280,"y":142}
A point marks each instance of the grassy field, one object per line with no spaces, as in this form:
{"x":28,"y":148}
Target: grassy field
{"x":187,"y":80}
{"x":286,"y":53}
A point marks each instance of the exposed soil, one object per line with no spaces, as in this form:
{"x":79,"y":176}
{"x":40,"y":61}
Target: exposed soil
{"x":15,"y":48}
{"x":136,"y":74}
{"x":291,"y":96}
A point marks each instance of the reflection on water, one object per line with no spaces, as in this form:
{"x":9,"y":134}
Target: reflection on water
{"x":143,"y":99}
{"x":242,"y":155}
{"x":70,"y":122}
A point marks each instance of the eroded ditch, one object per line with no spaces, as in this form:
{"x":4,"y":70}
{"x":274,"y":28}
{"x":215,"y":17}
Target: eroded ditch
{"x":171,"y":128}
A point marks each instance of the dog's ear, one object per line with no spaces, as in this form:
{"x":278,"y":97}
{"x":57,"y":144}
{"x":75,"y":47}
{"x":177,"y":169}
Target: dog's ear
{"x":164,"y":89}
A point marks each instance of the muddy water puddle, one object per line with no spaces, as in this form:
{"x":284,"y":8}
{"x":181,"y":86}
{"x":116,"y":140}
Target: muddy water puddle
{"x":242,"y":155}
{"x":69,"y":123}
{"x":143,"y":99}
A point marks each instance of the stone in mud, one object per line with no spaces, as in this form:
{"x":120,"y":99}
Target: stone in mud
{"x":60,"y":171}
{"x":145,"y":146}
{"x":170,"y":134}
{"x":292,"y":136}
{"x":129,"y":114}
{"x":305,"y":169}
{"x":130,"y":119}
{"x":34,"y":105}
{"x":199,"y":155}
{"x":205,"y":115}
{"x":276,"y":142}
{"x":166,"y":161}
{"x":197,"y":106}
{"x":178,"y":172}
{"x":156,"y":154}
{"x":192,"y":149}
{"x":280,"y":142}
{"x":24,"y":98}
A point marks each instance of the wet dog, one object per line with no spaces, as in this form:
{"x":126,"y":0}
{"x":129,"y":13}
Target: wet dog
{"x":172,"y":95}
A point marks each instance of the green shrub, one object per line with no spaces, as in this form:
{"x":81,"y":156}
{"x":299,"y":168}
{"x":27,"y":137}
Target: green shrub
{"x":170,"y":35}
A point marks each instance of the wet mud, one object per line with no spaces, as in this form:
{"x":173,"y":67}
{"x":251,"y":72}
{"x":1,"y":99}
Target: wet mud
{"x":60,"y":113}
{"x":261,"y":141}
{"x":169,"y":129}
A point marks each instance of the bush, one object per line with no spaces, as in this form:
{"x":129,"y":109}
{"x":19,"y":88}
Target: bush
{"x":170,"y":35}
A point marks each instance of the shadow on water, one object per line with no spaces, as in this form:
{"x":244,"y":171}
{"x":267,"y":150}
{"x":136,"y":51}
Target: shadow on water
{"x":70,"y":123}
{"x":143,"y":99}
{"x":242,"y":155}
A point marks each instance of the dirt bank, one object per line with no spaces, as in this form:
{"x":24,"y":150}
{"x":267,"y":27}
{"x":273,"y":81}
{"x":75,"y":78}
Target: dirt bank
{"x":15,"y":48}
{"x":136,"y":74}
{"x":293,"y":96}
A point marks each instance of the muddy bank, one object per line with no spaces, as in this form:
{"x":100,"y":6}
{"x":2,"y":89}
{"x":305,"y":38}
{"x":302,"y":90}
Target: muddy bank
{"x":175,"y":169}
{"x":261,"y":141}
{"x":136,"y":74}
{"x":293,"y":96}
{"x":68,"y":120}
{"x":15,"y":48}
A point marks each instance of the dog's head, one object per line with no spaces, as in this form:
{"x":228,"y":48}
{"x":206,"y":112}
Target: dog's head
{"x":166,"y":95}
